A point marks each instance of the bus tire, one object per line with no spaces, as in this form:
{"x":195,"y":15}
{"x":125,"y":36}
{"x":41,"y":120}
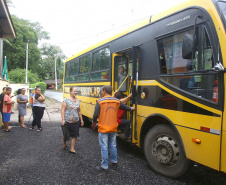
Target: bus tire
{"x":164,"y":151}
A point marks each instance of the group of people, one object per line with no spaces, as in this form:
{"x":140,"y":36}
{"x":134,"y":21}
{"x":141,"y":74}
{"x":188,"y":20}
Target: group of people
{"x":109,"y":111}
{"x":6,"y":103}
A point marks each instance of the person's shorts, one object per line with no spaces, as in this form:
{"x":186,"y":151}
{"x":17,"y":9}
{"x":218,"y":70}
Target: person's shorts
{"x":6,"y":117}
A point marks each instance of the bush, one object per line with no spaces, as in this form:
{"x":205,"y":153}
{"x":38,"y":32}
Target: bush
{"x":18,"y":76}
{"x":42,"y":85}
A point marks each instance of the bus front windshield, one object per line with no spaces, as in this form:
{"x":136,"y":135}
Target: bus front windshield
{"x":222,"y":5}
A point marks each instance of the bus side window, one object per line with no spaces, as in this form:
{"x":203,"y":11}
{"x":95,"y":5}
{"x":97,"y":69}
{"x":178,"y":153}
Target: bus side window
{"x":162,"y":60}
{"x":66,"y":78}
{"x":73,"y":71}
{"x":100,"y":65}
{"x":187,"y":74}
{"x":84,"y":68}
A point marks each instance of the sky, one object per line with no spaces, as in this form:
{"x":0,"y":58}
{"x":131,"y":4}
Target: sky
{"x":77,"y":24}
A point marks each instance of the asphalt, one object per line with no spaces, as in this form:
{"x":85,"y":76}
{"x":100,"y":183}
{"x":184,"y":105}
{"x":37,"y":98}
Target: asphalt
{"x":54,"y":95}
{"x":31,"y":157}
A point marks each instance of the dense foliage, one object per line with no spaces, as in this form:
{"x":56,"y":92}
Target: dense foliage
{"x":18,"y":76}
{"x":41,"y":61}
{"x":15,"y":50}
{"x":42,"y":85}
{"x":51,"y":53}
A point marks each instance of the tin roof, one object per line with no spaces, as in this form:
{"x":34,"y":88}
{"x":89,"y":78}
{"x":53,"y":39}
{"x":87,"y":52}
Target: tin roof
{"x":59,"y":81}
{"x":6,"y":24}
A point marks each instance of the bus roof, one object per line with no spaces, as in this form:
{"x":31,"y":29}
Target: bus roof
{"x":130,"y":29}
{"x":145,"y":22}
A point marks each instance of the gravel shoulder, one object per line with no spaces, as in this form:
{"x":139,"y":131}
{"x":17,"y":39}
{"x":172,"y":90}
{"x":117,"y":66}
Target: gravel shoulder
{"x":31,"y":157}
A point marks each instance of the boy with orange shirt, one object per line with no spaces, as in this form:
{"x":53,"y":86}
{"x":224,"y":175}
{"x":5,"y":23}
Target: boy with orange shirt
{"x":7,"y":109}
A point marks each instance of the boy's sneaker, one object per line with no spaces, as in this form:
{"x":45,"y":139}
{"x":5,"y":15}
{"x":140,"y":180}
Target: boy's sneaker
{"x":39,"y":129}
{"x":114,"y":166}
{"x":31,"y":128}
{"x":100,"y":169}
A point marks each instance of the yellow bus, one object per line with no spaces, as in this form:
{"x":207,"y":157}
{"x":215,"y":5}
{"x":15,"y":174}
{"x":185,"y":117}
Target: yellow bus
{"x":176,"y":62}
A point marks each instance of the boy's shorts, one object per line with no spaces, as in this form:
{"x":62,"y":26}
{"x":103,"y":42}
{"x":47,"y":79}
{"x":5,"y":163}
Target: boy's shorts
{"x":6,"y":117}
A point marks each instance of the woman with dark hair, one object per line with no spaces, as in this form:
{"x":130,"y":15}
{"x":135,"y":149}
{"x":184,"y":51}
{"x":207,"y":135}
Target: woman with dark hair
{"x":22,"y":100}
{"x":70,"y":113}
{"x":38,"y":109}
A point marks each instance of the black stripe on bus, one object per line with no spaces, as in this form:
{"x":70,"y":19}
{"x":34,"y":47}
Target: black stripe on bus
{"x":159,"y":98}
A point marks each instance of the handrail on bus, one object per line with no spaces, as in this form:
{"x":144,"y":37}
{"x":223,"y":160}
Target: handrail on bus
{"x":122,"y":83}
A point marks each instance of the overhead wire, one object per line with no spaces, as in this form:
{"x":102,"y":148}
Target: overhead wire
{"x":100,"y":32}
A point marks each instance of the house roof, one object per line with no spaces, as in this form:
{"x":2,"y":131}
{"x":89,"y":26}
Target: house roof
{"x":7,"y":29}
{"x":59,"y":81}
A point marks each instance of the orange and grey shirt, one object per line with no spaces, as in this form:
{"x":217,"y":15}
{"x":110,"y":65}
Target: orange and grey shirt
{"x":107,"y":109}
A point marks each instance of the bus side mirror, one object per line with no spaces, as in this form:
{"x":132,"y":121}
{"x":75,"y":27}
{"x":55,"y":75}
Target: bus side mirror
{"x":187,"y":46}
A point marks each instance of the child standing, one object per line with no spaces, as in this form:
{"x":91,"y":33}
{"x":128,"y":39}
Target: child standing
{"x":7,"y":108}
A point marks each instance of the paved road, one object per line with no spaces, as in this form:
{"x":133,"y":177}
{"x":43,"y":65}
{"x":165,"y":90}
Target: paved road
{"x":54,"y":95}
{"x":31,"y":157}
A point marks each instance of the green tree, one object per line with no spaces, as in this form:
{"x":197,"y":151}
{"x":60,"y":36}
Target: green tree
{"x":40,"y":60}
{"x":15,"y":49}
{"x":50,"y":53}
{"x":18,"y":76}
{"x":9,"y":3}
{"x":42,"y":85}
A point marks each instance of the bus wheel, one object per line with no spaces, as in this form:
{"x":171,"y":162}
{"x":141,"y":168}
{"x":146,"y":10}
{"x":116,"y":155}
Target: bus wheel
{"x":164,"y":151}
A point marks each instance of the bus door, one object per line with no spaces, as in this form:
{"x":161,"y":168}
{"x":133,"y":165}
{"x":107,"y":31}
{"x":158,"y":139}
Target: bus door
{"x":120,"y":74}
{"x":121,"y":78}
{"x":135,"y":63}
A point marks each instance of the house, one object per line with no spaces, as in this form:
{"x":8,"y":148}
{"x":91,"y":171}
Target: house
{"x":51,"y":83}
{"x":7,"y":30}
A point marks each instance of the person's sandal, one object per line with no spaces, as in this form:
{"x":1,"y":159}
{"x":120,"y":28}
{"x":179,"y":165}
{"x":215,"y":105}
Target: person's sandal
{"x":65,"y":148}
{"x":7,"y":130}
{"x":72,"y":152}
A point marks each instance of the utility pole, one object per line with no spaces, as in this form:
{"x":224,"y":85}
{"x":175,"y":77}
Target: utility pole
{"x":26,"y":81}
{"x":55,"y":75}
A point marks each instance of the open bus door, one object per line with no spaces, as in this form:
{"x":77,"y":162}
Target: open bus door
{"x":122,"y":73}
{"x":121,"y":79}
{"x":135,"y":60}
